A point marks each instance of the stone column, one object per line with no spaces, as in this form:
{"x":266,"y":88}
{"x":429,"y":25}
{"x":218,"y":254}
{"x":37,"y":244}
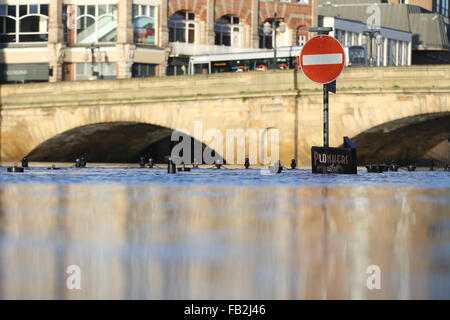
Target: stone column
{"x":385,"y":54}
{"x":409,"y":52}
{"x":314,"y":13}
{"x":125,"y":43}
{"x":163,"y":28}
{"x":396,"y":52}
{"x":255,"y":24}
{"x":56,"y":45}
{"x":165,"y":63}
{"x":210,"y":20}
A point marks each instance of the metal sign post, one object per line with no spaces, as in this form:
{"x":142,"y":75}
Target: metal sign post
{"x":318,"y":78}
{"x":325,"y":116}
{"x":328,"y":87}
{"x":322,"y":60}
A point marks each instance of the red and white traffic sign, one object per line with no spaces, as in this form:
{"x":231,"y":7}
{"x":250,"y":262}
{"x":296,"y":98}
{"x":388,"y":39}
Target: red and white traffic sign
{"x":322,"y":59}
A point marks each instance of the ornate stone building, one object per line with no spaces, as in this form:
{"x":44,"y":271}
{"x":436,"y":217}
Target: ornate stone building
{"x":54,"y":40}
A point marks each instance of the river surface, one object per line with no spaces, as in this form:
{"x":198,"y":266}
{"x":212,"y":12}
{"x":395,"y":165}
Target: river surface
{"x":224,"y":234}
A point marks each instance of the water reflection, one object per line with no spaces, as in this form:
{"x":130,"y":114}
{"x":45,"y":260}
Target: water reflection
{"x":198,"y":242}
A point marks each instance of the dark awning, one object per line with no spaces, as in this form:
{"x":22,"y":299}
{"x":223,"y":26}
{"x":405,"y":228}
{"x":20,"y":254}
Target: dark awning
{"x":24,"y":72}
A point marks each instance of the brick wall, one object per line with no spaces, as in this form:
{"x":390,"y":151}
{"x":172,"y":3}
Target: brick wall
{"x":297,"y":16}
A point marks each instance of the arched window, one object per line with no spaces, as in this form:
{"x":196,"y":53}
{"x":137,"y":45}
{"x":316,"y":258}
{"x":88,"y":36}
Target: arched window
{"x":182,"y":27}
{"x":96,"y":23}
{"x":265,"y":40}
{"x":227,"y":31}
{"x":144,"y":21}
{"x":23,"y":23}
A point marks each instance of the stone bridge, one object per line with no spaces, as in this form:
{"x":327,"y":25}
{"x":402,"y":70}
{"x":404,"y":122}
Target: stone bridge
{"x":399,"y":113}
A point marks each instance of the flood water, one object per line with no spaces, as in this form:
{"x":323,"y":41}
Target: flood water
{"x":223,"y":234}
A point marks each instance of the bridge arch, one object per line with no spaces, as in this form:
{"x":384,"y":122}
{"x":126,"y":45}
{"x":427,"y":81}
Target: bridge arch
{"x":404,"y":140}
{"x":109,"y":142}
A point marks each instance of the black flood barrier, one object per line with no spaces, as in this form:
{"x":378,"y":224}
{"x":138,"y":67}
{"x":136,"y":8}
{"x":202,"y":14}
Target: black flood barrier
{"x":195,"y":164}
{"x":80,"y":162}
{"x":394,"y":167}
{"x":142,"y":162}
{"x":171,"y":167}
{"x":25,"y":162}
{"x":183,"y":168}
{"x":276,"y":168}
{"x":15,"y":169}
{"x":293,"y":164}
{"x":378,"y":168}
{"x":247,"y":163}
{"x":335,"y":160}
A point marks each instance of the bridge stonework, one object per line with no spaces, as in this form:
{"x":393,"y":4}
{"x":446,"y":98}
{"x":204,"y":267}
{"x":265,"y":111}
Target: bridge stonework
{"x":374,"y":106}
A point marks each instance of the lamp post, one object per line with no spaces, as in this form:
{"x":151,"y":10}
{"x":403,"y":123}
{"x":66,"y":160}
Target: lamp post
{"x":371,"y":34}
{"x":93,"y":49}
{"x":271,"y":26}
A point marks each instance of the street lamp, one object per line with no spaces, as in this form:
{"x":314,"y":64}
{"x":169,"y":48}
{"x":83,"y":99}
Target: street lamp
{"x":271,"y":26}
{"x":94,"y":48}
{"x":370,"y":35}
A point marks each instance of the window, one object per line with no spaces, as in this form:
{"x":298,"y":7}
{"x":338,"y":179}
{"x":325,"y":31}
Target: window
{"x":182,"y":27}
{"x":227,"y":31}
{"x":391,"y":52}
{"x":144,"y":21}
{"x":88,"y":71}
{"x":23,"y":23}
{"x":95,"y":23}
{"x":141,"y":70}
{"x":339,"y":36}
{"x":400,"y":53}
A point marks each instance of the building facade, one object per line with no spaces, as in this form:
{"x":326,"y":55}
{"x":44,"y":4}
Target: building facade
{"x":389,"y":48}
{"x":438,"y":6}
{"x":55,"y":40}
{"x":428,"y":30}
{"x":229,"y":26}
{"x":441,"y":7}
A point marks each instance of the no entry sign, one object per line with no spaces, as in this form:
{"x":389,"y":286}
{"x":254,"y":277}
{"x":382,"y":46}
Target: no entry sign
{"x":322,"y":59}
